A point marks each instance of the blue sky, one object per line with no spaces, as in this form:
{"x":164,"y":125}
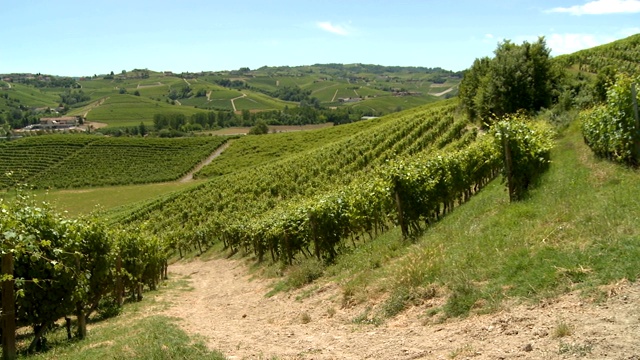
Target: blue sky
{"x":77,"y":38}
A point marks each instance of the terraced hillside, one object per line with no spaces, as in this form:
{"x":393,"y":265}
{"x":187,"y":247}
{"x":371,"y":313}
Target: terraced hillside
{"x":260,"y":203}
{"x":135,"y":96}
{"x":65,"y":161}
{"x":622,"y":55}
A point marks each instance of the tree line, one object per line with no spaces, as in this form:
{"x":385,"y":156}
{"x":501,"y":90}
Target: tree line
{"x":288,"y":116}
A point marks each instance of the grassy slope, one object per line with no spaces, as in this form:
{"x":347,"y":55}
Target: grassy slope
{"x":324,"y":83}
{"x":250,"y":151}
{"x":134,"y":334}
{"x":27,"y":95}
{"x":130,"y":110}
{"x":623,"y":55}
{"x":577,"y":230}
{"x":84,"y":201}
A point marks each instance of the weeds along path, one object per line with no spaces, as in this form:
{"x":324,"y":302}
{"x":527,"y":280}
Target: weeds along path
{"x":207,"y":161}
{"x":229,"y":309}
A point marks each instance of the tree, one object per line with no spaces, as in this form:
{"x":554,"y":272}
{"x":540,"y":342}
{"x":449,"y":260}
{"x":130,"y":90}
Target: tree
{"x":136,"y":93}
{"x":142,"y":129}
{"x":259,"y":128}
{"x":519,"y":77}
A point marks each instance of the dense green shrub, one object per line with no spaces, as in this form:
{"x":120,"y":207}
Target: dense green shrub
{"x":611,"y":129}
{"x":525,"y":148}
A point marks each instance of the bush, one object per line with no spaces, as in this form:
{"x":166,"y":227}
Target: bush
{"x":259,"y":128}
{"x":610,"y":130}
{"x":525,"y":149}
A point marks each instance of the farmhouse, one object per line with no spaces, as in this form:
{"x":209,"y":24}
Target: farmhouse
{"x":349,"y":99}
{"x":64,"y":122}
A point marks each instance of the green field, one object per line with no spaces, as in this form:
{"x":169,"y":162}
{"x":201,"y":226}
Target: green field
{"x":26,"y":95}
{"x":73,"y":161}
{"x":107,"y":200}
{"x":130,"y":110}
{"x":252,"y":151}
{"x":392,"y":103}
{"x":155,"y":90}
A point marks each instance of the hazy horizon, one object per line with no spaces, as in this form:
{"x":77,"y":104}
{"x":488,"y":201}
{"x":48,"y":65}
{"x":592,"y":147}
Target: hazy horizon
{"x":74,"y":38}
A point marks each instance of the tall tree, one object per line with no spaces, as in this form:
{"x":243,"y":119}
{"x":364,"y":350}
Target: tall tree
{"x":519,"y":77}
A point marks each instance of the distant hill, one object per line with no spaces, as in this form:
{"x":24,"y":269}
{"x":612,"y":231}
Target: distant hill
{"x":131,"y":97}
{"x":128,"y":98}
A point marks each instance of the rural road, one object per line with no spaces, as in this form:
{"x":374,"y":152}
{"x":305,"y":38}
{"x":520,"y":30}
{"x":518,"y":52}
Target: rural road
{"x":207,"y":161}
{"x":236,"y":98}
{"x":443,"y":92}
{"x":227,"y":306}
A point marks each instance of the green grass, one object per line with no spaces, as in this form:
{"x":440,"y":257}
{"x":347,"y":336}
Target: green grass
{"x":84,"y":201}
{"x":28,"y":96}
{"x":130,"y":110}
{"x":390,"y":103}
{"x":151,"y":338}
{"x":269,"y":102}
{"x":134,"y":334}
{"x":326,"y":93}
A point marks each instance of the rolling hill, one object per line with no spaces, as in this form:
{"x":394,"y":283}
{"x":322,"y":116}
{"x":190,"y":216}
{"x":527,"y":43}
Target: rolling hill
{"x":366,"y":88}
{"x":399,"y":213}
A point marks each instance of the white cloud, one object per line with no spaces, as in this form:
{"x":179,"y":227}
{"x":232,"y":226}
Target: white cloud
{"x":568,"y":43}
{"x":599,"y":7}
{"x":630,"y":31}
{"x":334,"y":29}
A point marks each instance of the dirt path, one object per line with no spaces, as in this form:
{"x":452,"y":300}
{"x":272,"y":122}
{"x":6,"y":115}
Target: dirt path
{"x":443,"y":92}
{"x":95,"y":105}
{"x":149,"y":86}
{"x":236,"y":98}
{"x":228,"y":308}
{"x":334,"y":96}
{"x":207,"y":161}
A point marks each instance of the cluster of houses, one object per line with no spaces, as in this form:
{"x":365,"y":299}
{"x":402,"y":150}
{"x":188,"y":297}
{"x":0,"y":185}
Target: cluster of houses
{"x":56,"y":123}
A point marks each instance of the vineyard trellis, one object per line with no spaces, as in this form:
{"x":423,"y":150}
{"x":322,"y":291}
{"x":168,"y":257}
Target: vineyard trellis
{"x":54,"y":267}
{"x":61,"y":161}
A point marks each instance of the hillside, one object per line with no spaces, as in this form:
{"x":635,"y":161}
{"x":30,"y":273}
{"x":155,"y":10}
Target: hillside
{"x":59,"y":161}
{"x":274,"y":189}
{"x":622,"y":55}
{"x":398,"y":299}
{"x":128,"y":98}
{"x":396,"y":235}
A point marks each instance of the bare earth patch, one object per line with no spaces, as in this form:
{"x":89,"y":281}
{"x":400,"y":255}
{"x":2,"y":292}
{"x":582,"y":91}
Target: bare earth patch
{"x":229,"y":309}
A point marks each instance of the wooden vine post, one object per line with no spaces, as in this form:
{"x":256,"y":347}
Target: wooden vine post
{"x":508,"y":164}
{"x":403,"y":224}
{"x":118,"y":288}
{"x":636,"y":138}
{"x":81,"y":318}
{"x":8,"y":310}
